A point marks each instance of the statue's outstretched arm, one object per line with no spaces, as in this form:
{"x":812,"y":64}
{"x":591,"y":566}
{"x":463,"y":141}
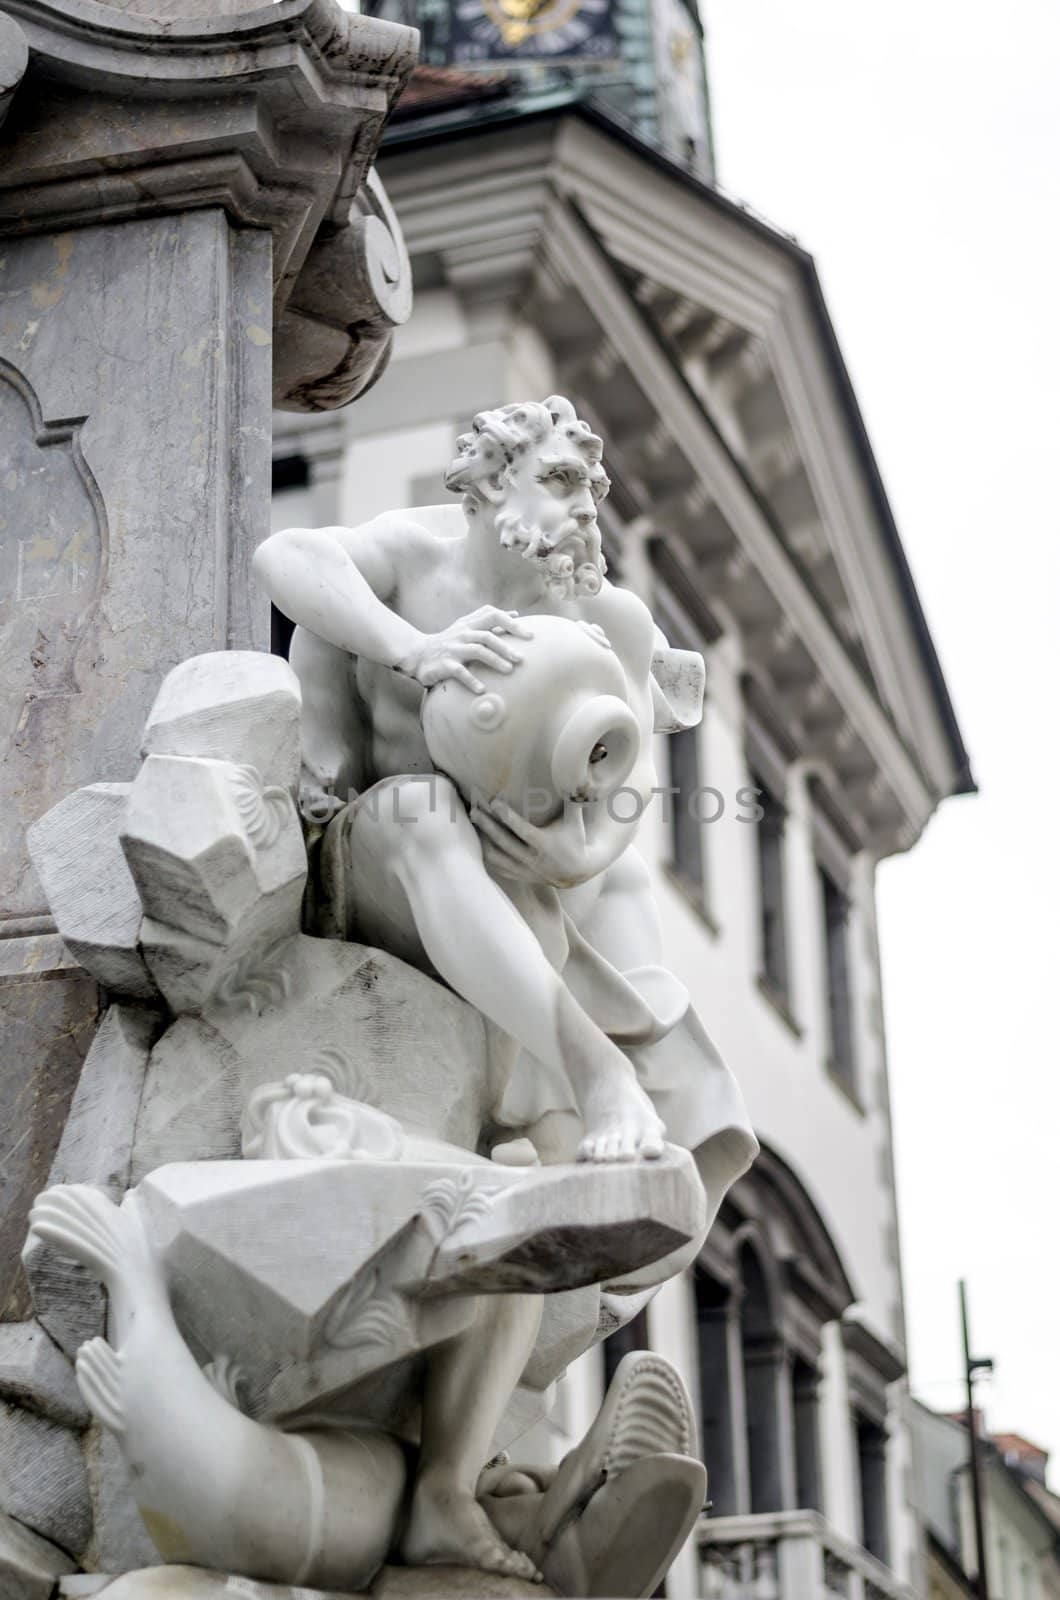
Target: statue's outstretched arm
{"x":314,"y":580}
{"x":335,"y":582}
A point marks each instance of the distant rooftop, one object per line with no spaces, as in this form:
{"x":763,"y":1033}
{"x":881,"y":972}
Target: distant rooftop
{"x":433,"y":89}
{"x":1020,"y":1453}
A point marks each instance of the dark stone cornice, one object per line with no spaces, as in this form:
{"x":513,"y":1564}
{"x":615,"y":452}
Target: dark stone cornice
{"x":271,"y":111}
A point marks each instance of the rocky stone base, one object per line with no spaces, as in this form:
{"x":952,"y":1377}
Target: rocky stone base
{"x":29,"y":1565}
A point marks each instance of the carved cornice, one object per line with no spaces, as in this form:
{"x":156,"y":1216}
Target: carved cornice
{"x":274,"y":113}
{"x":271,"y":111}
{"x":338,"y":54}
{"x":871,"y":1366}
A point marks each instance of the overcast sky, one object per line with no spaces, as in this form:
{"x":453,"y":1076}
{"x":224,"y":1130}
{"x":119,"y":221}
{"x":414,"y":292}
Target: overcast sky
{"x":914,"y":148}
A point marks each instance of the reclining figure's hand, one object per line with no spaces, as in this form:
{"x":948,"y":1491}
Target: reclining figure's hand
{"x":512,"y":847}
{"x":478,"y":637}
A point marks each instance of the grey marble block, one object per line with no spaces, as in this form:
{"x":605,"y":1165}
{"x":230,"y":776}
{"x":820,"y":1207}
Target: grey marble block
{"x":96,"y":1147}
{"x":48,"y":1012}
{"x":43,"y":1482}
{"x":134,"y":364}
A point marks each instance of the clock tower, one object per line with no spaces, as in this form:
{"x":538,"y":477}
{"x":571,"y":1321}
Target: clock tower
{"x":643,"y":60}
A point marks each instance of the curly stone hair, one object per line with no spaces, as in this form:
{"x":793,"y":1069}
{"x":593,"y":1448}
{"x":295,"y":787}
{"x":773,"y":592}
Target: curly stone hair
{"x":499,"y":437}
{"x":488,"y":456}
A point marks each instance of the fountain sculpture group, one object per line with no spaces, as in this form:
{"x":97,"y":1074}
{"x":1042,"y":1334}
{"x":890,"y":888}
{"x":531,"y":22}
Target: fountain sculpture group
{"x":395,"y":1110}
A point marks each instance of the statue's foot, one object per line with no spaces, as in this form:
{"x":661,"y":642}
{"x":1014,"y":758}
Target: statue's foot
{"x":620,"y":1121}
{"x":448,"y":1527}
{"x":623,"y":1544}
{"x":646,"y":1412}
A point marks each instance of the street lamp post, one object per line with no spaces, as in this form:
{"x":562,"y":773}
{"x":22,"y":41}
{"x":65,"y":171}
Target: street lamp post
{"x":971,"y":1368}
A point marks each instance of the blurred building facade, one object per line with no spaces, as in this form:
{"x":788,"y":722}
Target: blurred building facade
{"x":556,"y":248}
{"x":1021,"y":1514}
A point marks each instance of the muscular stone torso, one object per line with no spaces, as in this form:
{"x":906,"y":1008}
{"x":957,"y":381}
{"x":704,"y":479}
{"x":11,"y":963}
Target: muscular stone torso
{"x":433,"y":595}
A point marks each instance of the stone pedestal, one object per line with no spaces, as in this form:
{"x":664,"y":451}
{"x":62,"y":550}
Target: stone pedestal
{"x":178,"y":179}
{"x":393,"y":1583}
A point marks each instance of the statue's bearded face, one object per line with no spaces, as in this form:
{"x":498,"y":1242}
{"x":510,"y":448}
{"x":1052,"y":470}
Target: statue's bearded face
{"x":543,"y":497}
{"x":548,"y":515}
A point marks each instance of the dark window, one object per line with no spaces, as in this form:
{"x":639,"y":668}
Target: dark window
{"x":721,"y":1406}
{"x":289,"y":472}
{"x":837,"y":960}
{"x":686,"y":839}
{"x":773,"y":932}
{"x":804,"y":1386}
{"x":633,"y":1336}
{"x":872,"y":1472}
{"x":763,"y":1367}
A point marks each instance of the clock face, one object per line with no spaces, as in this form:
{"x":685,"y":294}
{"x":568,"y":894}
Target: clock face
{"x":531,"y":30}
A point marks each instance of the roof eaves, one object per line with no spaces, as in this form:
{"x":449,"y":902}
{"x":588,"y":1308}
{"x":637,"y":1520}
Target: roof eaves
{"x":455,"y":122}
{"x":993,"y":1458}
{"x":570,"y":99}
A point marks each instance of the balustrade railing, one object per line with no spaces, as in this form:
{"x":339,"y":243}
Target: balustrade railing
{"x":788,"y":1555}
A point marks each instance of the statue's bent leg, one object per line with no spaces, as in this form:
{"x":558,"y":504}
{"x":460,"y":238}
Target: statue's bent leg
{"x":469,"y":1383}
{"x":617,"y":914}
{"x":415,"y":857}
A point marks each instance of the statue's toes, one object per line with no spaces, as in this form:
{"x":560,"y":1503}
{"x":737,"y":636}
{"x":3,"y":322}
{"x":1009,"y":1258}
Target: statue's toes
{"x":653,"y":1143}
{"x":513,"y":1564}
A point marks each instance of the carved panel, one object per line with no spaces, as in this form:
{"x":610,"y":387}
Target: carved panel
{"x":53,"y":553}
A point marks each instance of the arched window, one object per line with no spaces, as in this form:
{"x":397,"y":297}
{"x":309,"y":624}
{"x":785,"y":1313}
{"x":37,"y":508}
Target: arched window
{"x":767,"y":1281}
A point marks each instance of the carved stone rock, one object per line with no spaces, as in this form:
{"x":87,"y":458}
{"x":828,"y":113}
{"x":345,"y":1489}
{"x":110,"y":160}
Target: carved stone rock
{"x":97,"y":1142}
{"x":78,"y":857}
{"x":29,"y":1565}
{"x":232,"y":705}
{"x":42,"y":1478}
{"x":220,"y":865}
{"x":368,"y":1294}
{"x":193,"y":1583}
{"x":360,"y":1014}
{"x":36,"y":1375}
{"x":96,"y":1148}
